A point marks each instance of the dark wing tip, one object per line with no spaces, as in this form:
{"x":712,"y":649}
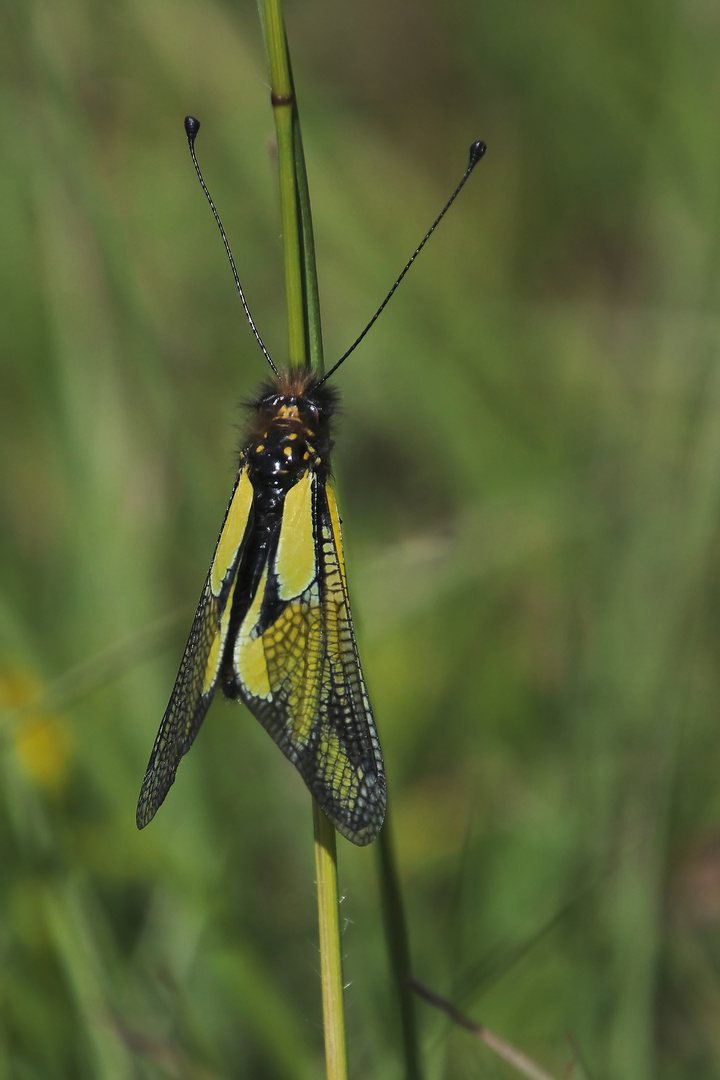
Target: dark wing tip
{"x":147,"y":805}
{"x":361,"y":821}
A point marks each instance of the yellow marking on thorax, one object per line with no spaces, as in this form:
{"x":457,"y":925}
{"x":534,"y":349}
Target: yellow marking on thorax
{"x":249,"y":656}
{"x":295,"y":559}
{"x":232,"y":533}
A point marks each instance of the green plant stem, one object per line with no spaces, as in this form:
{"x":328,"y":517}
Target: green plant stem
{"x":282,"y":96}
{"x":330,"y":957}
{"x":309,"y":268}
{"x":304,"y":335}
{"x":398,"y":947}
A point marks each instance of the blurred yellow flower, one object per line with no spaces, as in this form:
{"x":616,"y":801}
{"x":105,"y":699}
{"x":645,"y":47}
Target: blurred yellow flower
{"x":39,"y":739}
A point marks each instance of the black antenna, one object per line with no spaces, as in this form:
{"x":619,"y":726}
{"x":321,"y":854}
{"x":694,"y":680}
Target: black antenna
{"x":477,"y":150}
{"x":192,"y":126}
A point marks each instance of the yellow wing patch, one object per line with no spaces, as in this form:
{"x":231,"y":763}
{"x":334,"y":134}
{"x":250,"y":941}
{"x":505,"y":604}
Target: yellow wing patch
{"x":218,"y":645}
{"x":232,"y":533}
{"x":249,"y":653}
{"x":294,"y":644}
{"x":295,"y":562}
{"x":336,"y":535}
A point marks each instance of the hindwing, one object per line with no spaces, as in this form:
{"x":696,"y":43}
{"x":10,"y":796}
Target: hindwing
{"x":295,"y":664}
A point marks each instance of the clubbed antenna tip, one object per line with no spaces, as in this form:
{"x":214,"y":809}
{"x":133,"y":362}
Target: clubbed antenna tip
{"x":477,"y":149}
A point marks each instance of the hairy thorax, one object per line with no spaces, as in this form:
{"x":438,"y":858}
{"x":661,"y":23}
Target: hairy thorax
{"x":290,"y":434}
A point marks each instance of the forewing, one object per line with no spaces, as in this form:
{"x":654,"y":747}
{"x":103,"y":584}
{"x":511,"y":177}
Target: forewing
{"x":297,"y":669}
{"x":200,"y":666}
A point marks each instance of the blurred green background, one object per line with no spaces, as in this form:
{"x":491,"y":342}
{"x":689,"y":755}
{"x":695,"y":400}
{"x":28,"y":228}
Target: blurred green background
{"x":529,"y":475}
